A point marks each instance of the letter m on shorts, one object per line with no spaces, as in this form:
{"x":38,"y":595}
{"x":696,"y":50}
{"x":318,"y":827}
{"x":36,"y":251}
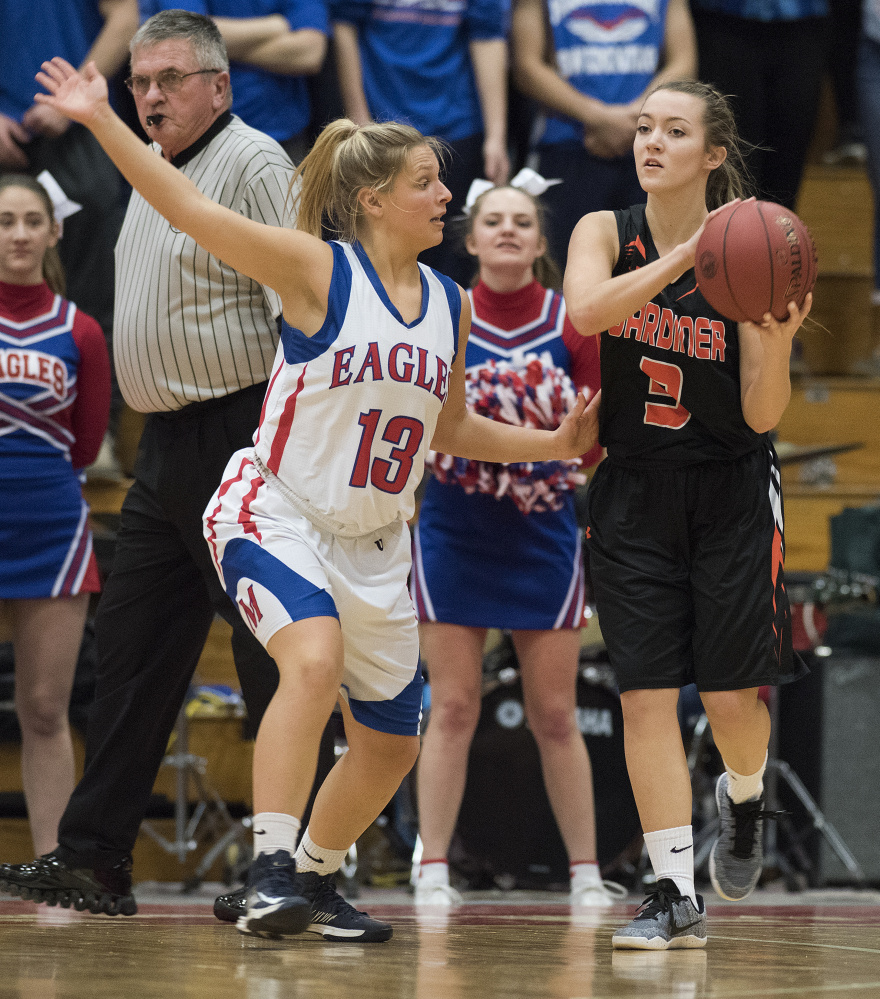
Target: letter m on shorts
{"x":251,"y":609}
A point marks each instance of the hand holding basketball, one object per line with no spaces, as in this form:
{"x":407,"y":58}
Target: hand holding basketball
{"x":753,"y":258}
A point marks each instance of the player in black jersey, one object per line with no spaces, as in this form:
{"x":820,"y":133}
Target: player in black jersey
{"x":685,"y":514}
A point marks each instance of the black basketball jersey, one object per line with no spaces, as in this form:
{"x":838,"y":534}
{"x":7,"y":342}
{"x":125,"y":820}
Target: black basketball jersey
{"x":670,"y":372}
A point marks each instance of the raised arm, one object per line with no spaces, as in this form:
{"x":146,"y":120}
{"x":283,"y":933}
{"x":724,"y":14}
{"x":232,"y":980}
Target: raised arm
{"x":294,"y":264}
{"x":467,"y":435}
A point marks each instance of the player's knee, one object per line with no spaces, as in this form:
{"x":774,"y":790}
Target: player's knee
{"x":641,"y":708}
{"x":317,"y":675}
{"x":390,"y":755}
{"x":729,"y":709}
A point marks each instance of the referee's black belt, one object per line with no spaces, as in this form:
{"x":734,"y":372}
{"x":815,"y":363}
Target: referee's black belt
{"x":199,"y":409}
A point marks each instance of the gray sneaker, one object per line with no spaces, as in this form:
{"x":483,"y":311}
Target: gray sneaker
{"x":666,"y":920}
{"x":738,"y":854}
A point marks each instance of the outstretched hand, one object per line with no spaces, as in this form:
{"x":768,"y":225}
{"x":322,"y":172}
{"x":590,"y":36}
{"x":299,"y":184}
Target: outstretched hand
{"x":579,"y":431}
{"x":78,"y":94}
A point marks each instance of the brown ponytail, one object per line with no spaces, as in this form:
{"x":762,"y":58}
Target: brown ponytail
{"x":731,"y":179}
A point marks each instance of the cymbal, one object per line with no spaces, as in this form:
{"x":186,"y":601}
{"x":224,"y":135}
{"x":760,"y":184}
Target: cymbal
{"x":791,"y":453}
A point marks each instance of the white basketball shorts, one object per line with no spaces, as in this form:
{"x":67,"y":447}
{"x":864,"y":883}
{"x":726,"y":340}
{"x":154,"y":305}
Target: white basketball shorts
{"x":278,"y":567}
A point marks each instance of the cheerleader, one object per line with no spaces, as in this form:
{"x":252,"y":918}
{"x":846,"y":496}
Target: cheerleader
{"x":498,"y":546}
{"x":54,"y":406}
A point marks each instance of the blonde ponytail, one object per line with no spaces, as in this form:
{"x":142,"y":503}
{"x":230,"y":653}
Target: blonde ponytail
{"x":345,"y":159}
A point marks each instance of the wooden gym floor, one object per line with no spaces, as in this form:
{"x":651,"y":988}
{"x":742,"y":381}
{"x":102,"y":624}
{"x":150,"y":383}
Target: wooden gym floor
{"x":496,"y":946}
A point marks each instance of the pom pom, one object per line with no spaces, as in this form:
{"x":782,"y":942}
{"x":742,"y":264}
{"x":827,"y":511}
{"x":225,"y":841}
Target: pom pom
{"x":536,"y":394}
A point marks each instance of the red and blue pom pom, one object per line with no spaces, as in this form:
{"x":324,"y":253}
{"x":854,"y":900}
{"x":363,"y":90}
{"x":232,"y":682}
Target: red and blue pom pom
{"x":536,"y":394}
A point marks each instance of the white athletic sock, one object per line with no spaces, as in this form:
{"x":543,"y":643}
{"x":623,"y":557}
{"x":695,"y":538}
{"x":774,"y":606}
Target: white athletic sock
{"x":434,"y":872}
{"x":742,"y":787}
{"x":583,"y":874}
{"x":672,"y":856}
{"x":275,"y":831}
{"x":311,"y":857}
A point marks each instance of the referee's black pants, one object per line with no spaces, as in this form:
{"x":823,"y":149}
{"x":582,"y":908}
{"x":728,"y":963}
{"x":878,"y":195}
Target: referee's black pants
{"x":152,"y":621}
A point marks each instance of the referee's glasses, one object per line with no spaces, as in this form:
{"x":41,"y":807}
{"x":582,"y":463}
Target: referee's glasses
{"x":169,"y":81}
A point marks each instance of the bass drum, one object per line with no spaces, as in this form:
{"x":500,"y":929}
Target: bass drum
{"x":506,"y":832}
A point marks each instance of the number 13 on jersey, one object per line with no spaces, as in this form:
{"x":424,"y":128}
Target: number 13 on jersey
{"x":405,"y":433}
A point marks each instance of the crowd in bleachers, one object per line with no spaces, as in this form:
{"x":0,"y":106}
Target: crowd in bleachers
{"x":556,"y":84}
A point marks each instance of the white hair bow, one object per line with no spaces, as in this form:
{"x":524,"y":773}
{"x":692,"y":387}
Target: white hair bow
{"x":63,"y":205}
{"x":527,"y":180}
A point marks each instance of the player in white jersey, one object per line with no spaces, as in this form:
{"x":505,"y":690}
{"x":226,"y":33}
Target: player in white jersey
{"x":370,"y":374}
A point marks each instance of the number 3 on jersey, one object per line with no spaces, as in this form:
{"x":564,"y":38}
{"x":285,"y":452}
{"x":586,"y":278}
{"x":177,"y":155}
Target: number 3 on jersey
{"x":665,"y":379}
{"x":376,"y":470}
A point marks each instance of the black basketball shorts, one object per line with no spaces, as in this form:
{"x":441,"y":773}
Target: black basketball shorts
{"x":687,"y":570}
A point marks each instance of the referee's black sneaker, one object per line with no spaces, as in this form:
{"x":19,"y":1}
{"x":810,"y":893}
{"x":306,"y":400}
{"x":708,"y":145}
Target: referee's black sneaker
{"x":230,"y":906}
{"x":334,"y":918}
{"x":49,"y":879}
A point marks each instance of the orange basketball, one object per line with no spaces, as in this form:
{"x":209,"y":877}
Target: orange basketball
{"x":754,"y":258}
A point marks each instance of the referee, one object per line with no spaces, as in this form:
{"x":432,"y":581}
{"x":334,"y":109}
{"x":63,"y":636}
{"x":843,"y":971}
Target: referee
{"x":194,"y":344}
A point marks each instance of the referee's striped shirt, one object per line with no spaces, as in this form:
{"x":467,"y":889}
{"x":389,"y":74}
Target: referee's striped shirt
{"x":187,"y":327}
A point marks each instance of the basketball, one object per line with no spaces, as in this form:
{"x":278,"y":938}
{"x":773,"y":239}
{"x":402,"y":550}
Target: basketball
{"x":754,"y":258}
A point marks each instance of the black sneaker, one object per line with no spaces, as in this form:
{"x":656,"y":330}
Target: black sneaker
{"x":229,"y":907}
{"x":274,"y":905}
{"x":334,"y":918}
{"x":48,"y":879}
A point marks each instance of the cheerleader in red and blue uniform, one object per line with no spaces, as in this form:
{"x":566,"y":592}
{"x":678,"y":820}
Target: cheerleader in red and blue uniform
{"x":499,"y":547}
{"x":54,"y":405}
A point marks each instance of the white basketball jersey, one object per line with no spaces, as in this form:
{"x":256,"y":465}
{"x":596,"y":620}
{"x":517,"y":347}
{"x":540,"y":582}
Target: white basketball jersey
{"x":350,"y":411}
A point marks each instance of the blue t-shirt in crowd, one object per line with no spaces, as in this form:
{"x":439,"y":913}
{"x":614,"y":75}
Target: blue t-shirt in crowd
{"x":766,"y":10}
{"x":415,"y":59}
{"x":33,"y":31}
{"x":871,"y":20}
{"x":275,"y":103}
{"x":609,"y":51}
